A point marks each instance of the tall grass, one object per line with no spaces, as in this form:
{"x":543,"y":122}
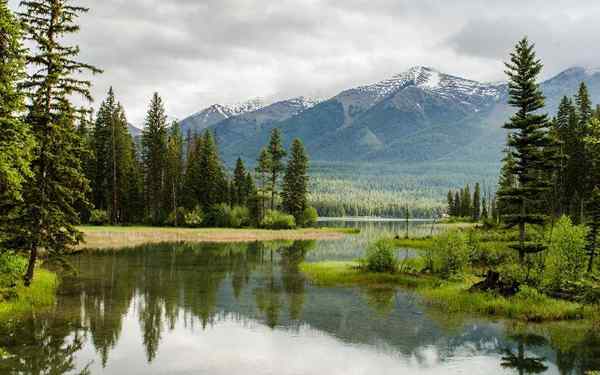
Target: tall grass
{"x":39,"y":295}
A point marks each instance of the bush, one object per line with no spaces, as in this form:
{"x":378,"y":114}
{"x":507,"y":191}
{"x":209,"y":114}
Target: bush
{"x":12,"y":268}
{"x":239,"y":217}
{"x":99,"y":217}
{"x":194,"y":218}
{"x":381,"y":257}
{"x":278,"y":220}
{"x":449,"y":254}
{"x":309,"y":217}
{"x":176,"y":217}
{"x":219,"y":216}
{"x":566,"y":255}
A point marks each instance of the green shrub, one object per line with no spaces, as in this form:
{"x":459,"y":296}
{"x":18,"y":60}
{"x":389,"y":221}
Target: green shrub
{"x":566,"y":255}
{"x":381,"y":257}
{"x":239,"y":217}
{"x":194,"y":218}
{"x":309,"y":217}
{"x":99,"y":217}
{"x":176,"y":217}
{"x":12,"y":267}
{"x":278,"y":220}
{"x":219,"y":216}
{"x":449,"y":254}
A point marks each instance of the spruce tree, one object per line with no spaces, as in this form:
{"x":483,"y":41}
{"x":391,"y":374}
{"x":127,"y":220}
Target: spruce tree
{"x":16,"y":141}
{"x":484,"y":209}
{"x":154,"y":150}
{"x":174,"y":169}
{"x":580,"y":158}
{"x":262,"y":169}
{"x":192,"y":183}
{"x":214,"y":186}
{"x":457,"y":204}
{"x":49,"y":216}
{"x":476,"y":214}
{"x":276,"y":155}
{"x":593,"y":210}
{"x":295,"y":181}
{"x":450,"y":199}
{"x":239,"y":193}
{"x":529,"y":143}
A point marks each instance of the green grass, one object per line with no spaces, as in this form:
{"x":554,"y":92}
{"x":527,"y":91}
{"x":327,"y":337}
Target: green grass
{"x":39,"y":295}
{"x":527,"y":306}
{"x":330,"y":274}
{"x":452,"y":297}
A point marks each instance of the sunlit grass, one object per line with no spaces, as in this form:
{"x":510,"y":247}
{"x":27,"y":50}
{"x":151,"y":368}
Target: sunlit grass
{"x":39,"y":295}
{"x":110,"y":237}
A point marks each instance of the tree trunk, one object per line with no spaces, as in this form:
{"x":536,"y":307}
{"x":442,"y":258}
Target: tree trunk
{"x":31,"y":266}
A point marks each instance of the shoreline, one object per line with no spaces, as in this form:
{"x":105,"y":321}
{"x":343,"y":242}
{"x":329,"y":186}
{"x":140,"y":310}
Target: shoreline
{"x":113,"y":237}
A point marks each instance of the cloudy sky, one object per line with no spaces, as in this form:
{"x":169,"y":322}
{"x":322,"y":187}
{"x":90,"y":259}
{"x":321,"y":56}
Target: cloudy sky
{"x":199,"y":52}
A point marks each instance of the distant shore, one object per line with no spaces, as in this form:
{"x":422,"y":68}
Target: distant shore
{"x":112,"y":237}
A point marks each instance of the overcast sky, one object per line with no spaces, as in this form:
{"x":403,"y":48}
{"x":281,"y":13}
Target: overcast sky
{"x":199,"y":52}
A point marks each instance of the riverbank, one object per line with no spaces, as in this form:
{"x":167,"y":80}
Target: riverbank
{"x":113,"y":237}
{"x":452,"y":297}
{"x":41,"y":294}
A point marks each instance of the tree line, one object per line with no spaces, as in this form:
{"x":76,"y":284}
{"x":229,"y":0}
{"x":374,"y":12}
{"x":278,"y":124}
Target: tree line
{"x":477,"y":206}
{"x":60,"y":165}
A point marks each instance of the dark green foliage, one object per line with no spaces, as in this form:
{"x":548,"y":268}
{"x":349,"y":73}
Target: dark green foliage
{"x":99,"y":217}
{"x":16,"y":141}
{"x":213,"y":185}
{"x":154,"y":149}
{"x":58,"y":184}
{"x":174,"y":173}
{"x":276,"y":166}
{"x":295,"y":181}
{"x":529,"y":144}
{"x":239,"y":184}
{"x":476,"y":213}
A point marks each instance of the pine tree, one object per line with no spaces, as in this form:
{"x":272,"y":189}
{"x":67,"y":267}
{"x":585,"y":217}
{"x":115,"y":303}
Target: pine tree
{"x":457,"y":204}
{"x":465,"y":201}
{"x":154,"y":150}
{"x":262,"y":169}
{"x":214,"y":185}
{"x":593,"y":209}
{"x":16,"y":141}
{"x":295,"y":181}
{"x":192,"y":183}
{"x":484,"y":209}
{"x":450,"y":199}
{"x":476,"y":214}
{"x":580,"y":159}
{"x":276,"y":155}
{"x":49,"y":216}
{"x":529,"y":143}
{"x":174,"y":169}
{"x":239,"y":193}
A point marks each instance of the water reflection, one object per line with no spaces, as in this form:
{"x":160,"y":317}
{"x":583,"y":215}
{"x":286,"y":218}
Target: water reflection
{"x":246,"y":308}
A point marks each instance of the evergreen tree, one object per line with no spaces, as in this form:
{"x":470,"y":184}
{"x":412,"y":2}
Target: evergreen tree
{"x":450,"y":199}
{"x":262,"y":169}
{"x":16,"y":141}
{"x":88,"y":162}
{"x":154,"y":150}
{"x":276,"y":155}
{"x":214,"y":185}
{"x":457,"y":204}
{"x":484,"y":209}
{"x":192,"y":181}
{"x":476,"y":214}
{"x":49,"y":216}
{"x":240,"y":185}
{"x":529,"y":143}
{"x":174,"y":169}
{"x":465,"y":201}
{"x":507,"y":180}
{"x":580,"y":159}
{"x":594,"y":227}
{"x":295,"y":181}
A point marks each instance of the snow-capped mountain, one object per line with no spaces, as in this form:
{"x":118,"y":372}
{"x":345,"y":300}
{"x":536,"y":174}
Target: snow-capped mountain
{"x":217,"y":113}
{"x":417,"y":115}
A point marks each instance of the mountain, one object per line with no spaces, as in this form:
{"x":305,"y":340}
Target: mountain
{"x":217,"y":113}
{"x":418,"y":115}
{"x":134,"y":131}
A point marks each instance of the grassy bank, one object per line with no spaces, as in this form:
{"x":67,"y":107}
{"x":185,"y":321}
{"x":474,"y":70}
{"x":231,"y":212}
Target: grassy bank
{"x":39,"y":295}
{"x":110,"y":237}
{"x":452,"y":297}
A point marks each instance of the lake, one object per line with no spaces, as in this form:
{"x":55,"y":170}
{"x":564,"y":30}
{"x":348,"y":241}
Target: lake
{"x":246,"y":309}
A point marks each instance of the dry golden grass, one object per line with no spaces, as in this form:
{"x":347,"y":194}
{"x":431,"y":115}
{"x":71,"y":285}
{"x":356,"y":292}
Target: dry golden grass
{"x":109,"y":237}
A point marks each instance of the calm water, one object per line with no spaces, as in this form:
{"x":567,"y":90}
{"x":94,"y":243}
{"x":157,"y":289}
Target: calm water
{"x":245,"y":309}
